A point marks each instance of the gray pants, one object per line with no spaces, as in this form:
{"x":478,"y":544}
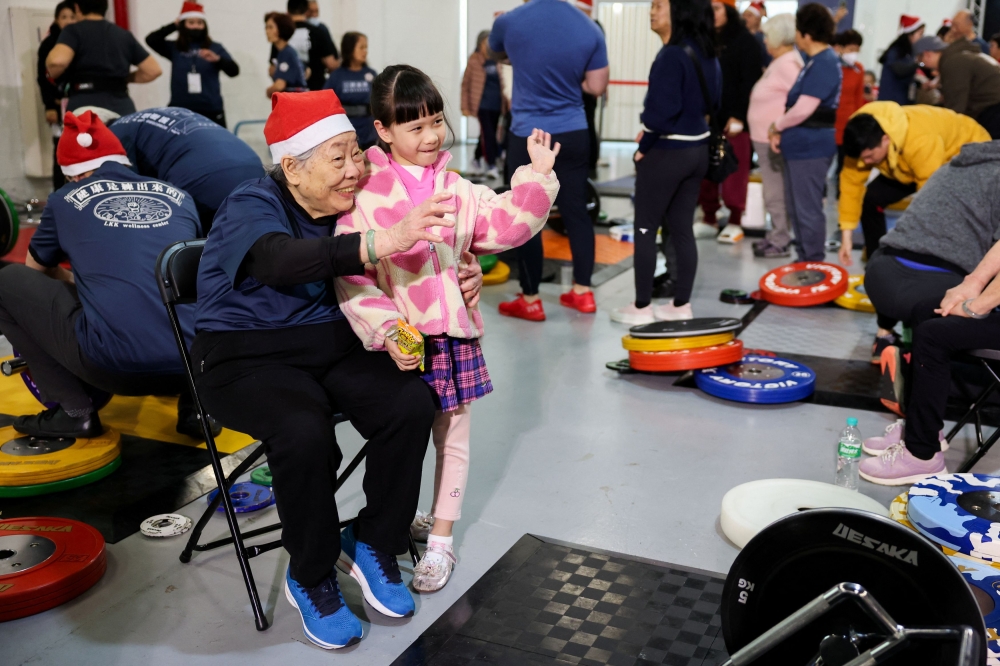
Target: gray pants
{"x":804,"y":182}
{"x":772,"y":167}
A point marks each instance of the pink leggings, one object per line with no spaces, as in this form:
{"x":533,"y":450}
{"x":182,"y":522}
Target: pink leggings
{"x":451,"y":439}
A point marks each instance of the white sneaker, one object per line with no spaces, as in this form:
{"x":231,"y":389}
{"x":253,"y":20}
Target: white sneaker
{"x":493,"y":173}
{"x":702,"y":230}
{"x":475,"y":168}
{"x":421,"y":526}
{"x":632,"y":315}
{"x":731,"y":235}
{"x":435,"y":567}
{"x":670,"y":312}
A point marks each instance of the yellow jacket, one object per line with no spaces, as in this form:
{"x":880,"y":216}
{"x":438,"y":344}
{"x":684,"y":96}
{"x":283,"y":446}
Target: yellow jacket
{"x":922,"y":138}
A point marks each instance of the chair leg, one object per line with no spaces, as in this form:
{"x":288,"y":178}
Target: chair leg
{"x":973,"y":411}
{"x":980,"y":452}
{"x":414,"y":555}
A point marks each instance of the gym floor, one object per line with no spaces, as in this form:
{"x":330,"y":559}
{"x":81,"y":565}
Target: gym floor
{"x":564,"y":449}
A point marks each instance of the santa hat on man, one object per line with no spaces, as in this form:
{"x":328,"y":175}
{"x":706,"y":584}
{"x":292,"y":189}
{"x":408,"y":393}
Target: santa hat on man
{"x":758,"y":8}
{"x":586,"y":6}
{"x":192,"y":10}
{"x":86,"y":144}
{"x":909,"y":24}
{"x":301,"y":121}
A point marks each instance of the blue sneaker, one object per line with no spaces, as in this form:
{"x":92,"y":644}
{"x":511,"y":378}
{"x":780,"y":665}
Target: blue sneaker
{"x":326,"y":619}
{"x":378,"y":575}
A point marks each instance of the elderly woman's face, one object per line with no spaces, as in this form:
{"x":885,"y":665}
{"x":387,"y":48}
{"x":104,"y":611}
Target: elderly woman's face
{"x":326,"y":181}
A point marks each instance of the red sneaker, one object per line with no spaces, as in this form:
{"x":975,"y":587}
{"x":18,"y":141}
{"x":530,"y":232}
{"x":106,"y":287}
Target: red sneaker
{"x":582,"y":302}
{"x":522,"y":309}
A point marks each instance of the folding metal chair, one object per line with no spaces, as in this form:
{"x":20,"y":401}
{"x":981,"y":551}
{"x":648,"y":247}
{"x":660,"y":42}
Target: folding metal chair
{"x":984,"y":357}
{"x":177,"y":277}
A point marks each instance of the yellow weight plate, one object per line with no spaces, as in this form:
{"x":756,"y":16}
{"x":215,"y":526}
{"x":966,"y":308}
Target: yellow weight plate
{"x":675,"y":344}
{"x":499,"y":274}
{"x":855,"y":298}
{"x":25,"y":462}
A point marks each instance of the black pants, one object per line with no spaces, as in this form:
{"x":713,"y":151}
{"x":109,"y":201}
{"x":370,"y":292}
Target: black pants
{"x":282,"y":387}
{"x":487,"y":148}
{"x":881,"y":192}
{"x":571,"y":168}
{"x":58,"y":178}
{"x":989,"y":118}
{"x":903,"y":294}
{"x":935,"y":342}
{"x":667,"y":185}
{"x":590,"y":109}
{"x":38,"y":315}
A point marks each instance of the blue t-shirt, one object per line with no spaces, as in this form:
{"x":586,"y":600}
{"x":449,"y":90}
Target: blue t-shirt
{"x":820,"y":78}
{"x":185,"y":62}
{"x":354,"y":89}
{"x":288,"y":67}
{"x":230,"y":301}
{"x":551,"y":45}
{"x":189,"y":151}
{"x":112,"y":227}
{"x":491,"y":99}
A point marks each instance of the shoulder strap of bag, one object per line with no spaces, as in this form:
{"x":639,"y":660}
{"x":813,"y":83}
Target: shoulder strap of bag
{"x":709,"y":107}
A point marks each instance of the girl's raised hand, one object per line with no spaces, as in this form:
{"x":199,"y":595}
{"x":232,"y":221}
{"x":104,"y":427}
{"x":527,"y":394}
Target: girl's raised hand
{"x":542,"y":152}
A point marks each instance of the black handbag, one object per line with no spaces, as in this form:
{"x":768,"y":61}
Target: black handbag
{"x":722,"y":162}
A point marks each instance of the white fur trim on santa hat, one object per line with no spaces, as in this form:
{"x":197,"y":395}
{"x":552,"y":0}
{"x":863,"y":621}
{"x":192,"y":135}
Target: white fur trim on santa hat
{"x":90,"y":165}
{"x":186,"y":15}
{"x":310,"y":137}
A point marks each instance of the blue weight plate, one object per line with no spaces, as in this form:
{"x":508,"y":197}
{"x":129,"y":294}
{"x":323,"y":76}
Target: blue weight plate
{"x":247,"y":497}
{"x":985,"y":578}
{"x":686,"y":328}
{"x":758,"y":379}
{"x":959,"y":511}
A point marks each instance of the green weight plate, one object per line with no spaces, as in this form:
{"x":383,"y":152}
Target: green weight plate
{"x":261,"y":476}
{"x":8,"y":224}
{"x":488,"y":262}
{"x":65,"y":484}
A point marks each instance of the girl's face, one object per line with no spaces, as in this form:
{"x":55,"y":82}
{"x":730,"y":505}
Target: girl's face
{"x":271,"y":30}
{"x":65,"y":17}
{"x":415,"y":143}
{"x":719,"y":9}
{"x":360,"y":54}
{"x":194,"y":24}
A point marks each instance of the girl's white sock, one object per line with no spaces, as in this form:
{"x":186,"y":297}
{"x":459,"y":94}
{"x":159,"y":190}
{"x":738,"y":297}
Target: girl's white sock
{"x":433,"y":557}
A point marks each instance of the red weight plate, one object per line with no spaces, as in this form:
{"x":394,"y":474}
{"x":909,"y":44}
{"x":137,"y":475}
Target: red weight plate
{"x":42,"y":557}
{"x":687,"y":359}
{"x":56,"y":599}
{"x":804,"y":283}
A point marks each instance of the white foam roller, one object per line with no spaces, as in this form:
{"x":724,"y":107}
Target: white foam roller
{"x":750,"y":507}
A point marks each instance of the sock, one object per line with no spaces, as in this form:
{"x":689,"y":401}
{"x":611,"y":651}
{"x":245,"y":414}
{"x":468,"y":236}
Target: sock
{"x":79,"y":413}
{"x":430,"y":555}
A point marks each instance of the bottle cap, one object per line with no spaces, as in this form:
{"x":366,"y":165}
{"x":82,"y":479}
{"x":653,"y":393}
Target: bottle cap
{"x":853,"y":422}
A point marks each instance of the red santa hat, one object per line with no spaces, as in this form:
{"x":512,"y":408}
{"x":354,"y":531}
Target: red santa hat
{"x":192,"y":10}
{"x":908,"y":24}
{"x":946,"y":23}
{"x":585,"y":5}
{"x":301,"y":121}
{"x":86,"y":144}
{"x":758,"y":8}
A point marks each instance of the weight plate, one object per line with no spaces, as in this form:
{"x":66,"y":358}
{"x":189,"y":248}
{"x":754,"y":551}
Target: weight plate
{"x":799,"y":557}
{"x":855,"y":297}
{"x":959,"y":511}
{"x":165,"y":525}
{"x":81,"y":457}
{"x":43,"y":560}
{"x":750,"y":507}
{"x":261,"y":476}
{"x":673,"y":344}
{"x":499,"y":274}
{"x":686,"y":359}
{"x":247,"y":497}
{"x":804,"y":283}
{"x":898,"y":511}
{"x":758,"y":379}
{"x":487,"y":262}
{"x":686,"y":328}
{"x":735,"y":297}
{"x":9,"y":224}
{"x":58,"y":486}
{"x":984,"y":579}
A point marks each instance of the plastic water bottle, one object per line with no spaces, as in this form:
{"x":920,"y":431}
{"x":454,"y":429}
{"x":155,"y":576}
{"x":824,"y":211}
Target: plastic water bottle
{"x":849,"y":455}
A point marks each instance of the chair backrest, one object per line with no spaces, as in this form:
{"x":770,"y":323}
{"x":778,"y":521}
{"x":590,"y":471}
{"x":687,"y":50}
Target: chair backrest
{"x":177,"y":271}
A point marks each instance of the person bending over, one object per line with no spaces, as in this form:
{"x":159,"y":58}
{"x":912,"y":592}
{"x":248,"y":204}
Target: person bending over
{"x":103,"y":325}
{"x":969,"y":81}
{"x":275,"y":358}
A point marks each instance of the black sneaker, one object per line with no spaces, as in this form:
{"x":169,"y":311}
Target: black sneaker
{"x":882,"y":343}
{"x":57,"y":423}
{"x":189,"y":424}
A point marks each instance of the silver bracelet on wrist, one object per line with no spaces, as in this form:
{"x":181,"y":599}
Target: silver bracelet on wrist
{"x":968,"y":311}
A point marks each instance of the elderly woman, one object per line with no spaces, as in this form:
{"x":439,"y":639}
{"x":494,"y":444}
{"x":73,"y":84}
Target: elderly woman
{"x":805,"y":133}
{"x":767,"y":104}
{"x":482,"y":98}
{"x":275,"y":358}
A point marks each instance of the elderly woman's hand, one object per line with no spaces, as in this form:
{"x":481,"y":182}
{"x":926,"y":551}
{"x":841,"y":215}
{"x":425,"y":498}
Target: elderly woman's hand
{"x":415,"y":227}
{"x":470,"y":279}
{"x":951,"y":304}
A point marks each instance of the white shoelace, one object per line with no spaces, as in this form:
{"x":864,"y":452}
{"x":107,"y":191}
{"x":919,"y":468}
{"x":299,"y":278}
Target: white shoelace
{"x":895,"y":451}
{"x":898,"y":423}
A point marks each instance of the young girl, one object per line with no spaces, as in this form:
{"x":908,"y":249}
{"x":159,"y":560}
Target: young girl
{"x":421,"y":286}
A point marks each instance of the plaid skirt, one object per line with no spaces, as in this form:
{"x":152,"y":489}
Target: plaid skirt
{"x":455,"y":370}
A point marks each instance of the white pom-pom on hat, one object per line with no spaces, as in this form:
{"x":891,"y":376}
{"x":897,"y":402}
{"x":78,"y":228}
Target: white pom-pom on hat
{"x":85,"y":140}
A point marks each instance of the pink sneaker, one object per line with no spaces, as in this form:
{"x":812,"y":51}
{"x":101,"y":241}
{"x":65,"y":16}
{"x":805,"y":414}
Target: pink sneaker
{"x":874,"y":446}
{"x":898,"y":467}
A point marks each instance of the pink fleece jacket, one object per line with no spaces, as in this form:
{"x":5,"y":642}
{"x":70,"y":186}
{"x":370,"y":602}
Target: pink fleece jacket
{"x":421,"y":286}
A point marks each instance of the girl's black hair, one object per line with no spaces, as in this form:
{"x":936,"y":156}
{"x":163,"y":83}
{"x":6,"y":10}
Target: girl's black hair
{"x":347,"y":45}
{"x":734,"y":26}
{"x":693,"y":20}
{"x":902,"y":46}
{"x":402,"y":94}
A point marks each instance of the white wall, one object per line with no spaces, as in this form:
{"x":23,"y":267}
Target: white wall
{"x":878,"y":20}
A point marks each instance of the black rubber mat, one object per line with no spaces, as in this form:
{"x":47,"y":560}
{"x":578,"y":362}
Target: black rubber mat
{"x":548,"y":603}
{"x":154,"y":477}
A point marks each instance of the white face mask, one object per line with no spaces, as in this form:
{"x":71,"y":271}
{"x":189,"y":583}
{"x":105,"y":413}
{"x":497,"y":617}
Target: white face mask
{"x":850,"y":59}
{"x":313,"y":20}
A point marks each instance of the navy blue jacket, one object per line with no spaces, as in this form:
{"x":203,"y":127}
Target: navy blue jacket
{"x":897,"y":76}
{"x":209,"y":100}
{"x":674,"y":101}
